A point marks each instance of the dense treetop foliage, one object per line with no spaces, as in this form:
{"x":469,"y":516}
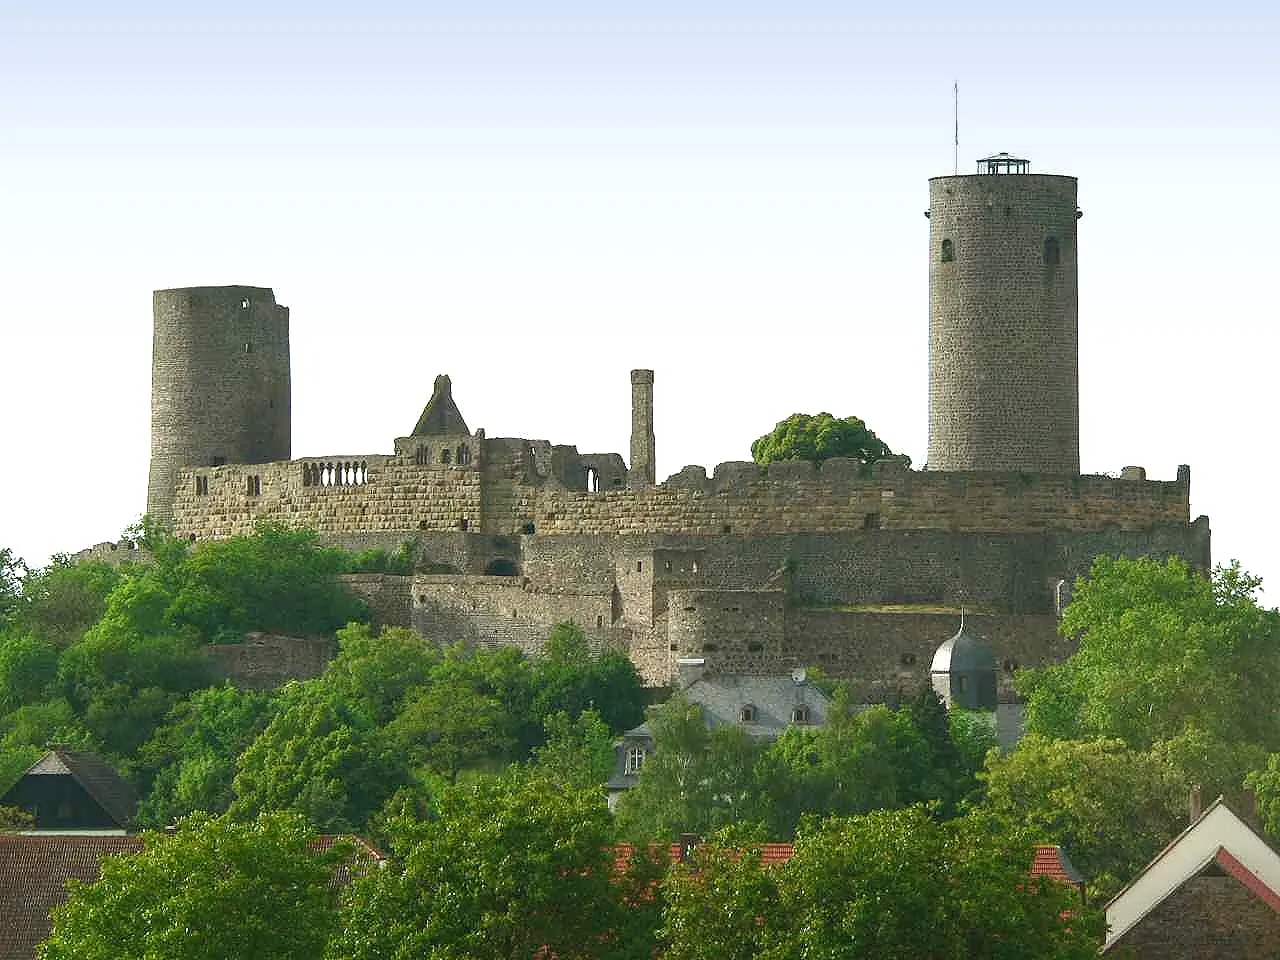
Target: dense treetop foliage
{"x":818,"y":437}
{"x":214,"y":889}
{"x":481,"y":771}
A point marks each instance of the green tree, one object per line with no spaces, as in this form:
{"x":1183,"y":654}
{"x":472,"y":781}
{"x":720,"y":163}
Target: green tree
{"x":889,"y":884}
{"x":214,"y":889}
{"x":696,"y":781}
{"x":803,"y":436}
{"x":190,"y":762}
{"x":570,"y":677}
{"x":28,"y":671}
{"x":509,"y":867}
{"x":578,"y":750}
{"x":1171,"y":660}
{"x":65,"y":599}
{"x":277,"y":580}
{"x":320,"y":759}
{"x":1162,"y":649}
{"x":12,"y":570}
{"x":1112,"y":808}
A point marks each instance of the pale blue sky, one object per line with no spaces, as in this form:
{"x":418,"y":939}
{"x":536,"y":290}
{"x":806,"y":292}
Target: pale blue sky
{"x":535,"y":198}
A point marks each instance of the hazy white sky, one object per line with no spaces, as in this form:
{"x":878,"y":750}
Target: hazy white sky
{"x":537,"y":197}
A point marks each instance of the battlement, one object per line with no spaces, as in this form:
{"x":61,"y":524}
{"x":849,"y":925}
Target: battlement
{"x":522,"y":487}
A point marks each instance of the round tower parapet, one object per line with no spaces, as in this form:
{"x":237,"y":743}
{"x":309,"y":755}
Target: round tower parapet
{"x":219,"y":383}
{"x":1003,"y":341}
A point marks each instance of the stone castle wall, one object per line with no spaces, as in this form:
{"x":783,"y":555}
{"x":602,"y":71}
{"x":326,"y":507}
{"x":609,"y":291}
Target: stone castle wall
{"x":508,"y":495}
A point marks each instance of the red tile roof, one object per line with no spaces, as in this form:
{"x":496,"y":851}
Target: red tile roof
{"x":1051,"y":861}
{"x":34,"y":871}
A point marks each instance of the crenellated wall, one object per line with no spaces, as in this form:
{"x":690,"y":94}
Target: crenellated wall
{"x":523,"y":487}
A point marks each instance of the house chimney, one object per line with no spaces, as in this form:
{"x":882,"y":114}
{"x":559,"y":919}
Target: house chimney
{"x":688,"y":841}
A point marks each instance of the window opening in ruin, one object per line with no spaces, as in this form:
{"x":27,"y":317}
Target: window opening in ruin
{"x":593,"y":480}
{"x":422,"y":456}
{"x":528,"y":529}
{"x":244,"y":304}
{"x":695,"y":566}
{"x":871,"y":521}
{"x":1052,"y":256}
{"x":635,"y":759}
{"x":253,"y":485}
{"x":800,"y":713}
{"x":248,"y":348}
{"x":726,"y":529}
{"x":446,"y":456}
{"x":464,"y":454}
{"x":599,"y":621}
{"x":747,"y":714}
{"x":948,"y":252}
{"x":191,"y":537}
{"x":464,"y":524}
{"x":202,"y":486}
{"x":667,"y":566}
{"x":639,"y":566}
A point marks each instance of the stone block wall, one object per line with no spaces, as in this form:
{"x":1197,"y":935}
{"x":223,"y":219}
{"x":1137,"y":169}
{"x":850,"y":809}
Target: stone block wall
{"x":265,"y":661}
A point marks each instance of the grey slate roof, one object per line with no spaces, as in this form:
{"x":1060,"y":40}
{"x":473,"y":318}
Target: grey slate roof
{"x":723,"y":698}
{"x":966,"y":652}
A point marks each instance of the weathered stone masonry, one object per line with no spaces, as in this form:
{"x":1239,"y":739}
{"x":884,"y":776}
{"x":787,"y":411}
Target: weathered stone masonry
{"x":859,"y":571}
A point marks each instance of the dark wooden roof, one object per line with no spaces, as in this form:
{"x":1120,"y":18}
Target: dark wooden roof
{"x":96,"y":777}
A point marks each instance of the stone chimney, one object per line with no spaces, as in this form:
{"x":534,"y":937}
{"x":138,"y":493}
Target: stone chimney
{"x":642,"y":470}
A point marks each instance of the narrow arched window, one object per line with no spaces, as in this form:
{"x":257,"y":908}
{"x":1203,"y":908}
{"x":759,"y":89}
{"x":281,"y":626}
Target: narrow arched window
{"x":446,"y":456}
{"x":948,"y":252}
{"x":747,"y":714}
{"x":1052,"y":256}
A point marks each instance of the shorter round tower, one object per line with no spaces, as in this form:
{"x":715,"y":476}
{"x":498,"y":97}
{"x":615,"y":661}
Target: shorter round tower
{"x":1003,"y":341}
{"x":219,"y":383}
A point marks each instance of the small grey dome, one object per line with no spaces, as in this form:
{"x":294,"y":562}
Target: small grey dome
{"x":966,"y":652}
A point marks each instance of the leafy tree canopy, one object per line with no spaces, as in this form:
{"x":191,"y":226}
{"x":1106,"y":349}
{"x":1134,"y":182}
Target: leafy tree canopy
{"x":510,"y":866}
{"x":1111,"y":807}
{"x":888,"y":884}
{"x":1167,"y":658}
{"x":214,"y":889}
{"x":818,"y":437}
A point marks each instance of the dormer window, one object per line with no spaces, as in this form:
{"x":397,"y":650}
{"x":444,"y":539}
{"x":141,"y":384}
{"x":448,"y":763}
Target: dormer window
{"x":800,"y":713}
{"x":747,"y":714}
{"x":635,"y":759}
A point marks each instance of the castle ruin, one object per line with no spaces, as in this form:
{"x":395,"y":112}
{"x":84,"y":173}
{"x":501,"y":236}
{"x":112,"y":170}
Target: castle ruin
{"x":858,"y":571}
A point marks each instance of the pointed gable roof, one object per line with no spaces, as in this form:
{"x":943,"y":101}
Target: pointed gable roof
{"x":1217,"y":840}
{"x":440,"y":416}
{"x":95,"y":776}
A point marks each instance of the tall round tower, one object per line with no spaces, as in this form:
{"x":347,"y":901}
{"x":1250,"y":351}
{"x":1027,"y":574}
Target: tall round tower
{"x":219,"y":383}
{"x":1003,"y":373}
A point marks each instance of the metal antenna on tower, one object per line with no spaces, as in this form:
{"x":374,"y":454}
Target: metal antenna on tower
{"x":955,"y":153}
